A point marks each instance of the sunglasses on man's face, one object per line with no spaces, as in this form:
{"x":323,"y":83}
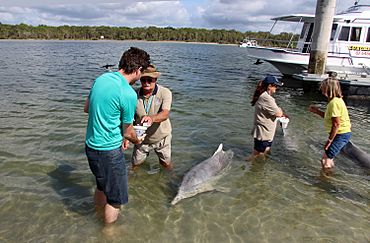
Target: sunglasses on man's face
{"x":148,"y":80}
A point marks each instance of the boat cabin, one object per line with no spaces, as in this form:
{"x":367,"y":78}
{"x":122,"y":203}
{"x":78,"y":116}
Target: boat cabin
{"x":350,"y":31}
{"x":348,"y":49}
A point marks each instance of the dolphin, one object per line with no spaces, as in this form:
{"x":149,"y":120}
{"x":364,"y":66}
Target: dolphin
{"x":107,"y":66}
{"x":354,"y":153}
{"x":199,"y":178}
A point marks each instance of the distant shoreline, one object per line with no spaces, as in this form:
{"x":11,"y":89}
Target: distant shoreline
{"x":106,"y":40}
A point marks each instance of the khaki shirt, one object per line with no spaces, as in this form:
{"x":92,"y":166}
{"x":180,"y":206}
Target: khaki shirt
{"x":162,"y":99}
{"x":264,"y":117}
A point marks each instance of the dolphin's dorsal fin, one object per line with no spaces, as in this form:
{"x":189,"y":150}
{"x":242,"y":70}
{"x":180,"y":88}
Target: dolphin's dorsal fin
{"x":219,"y":149}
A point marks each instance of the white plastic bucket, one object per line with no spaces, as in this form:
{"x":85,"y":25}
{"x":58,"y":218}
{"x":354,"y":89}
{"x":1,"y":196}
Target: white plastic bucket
{"x":140,"y":130}
{"x":283,"y":121}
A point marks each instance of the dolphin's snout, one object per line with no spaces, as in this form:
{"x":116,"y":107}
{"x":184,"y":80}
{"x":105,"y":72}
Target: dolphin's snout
{"x":176,"y":200}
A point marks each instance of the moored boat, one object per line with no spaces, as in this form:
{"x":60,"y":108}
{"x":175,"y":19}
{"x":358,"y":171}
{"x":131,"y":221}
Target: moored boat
{"x":247,"y":42}
{"x":348,"y":50}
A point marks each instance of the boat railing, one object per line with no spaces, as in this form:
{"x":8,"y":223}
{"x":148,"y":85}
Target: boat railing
{"x":286,"y":44}
{"x":366,"y":69}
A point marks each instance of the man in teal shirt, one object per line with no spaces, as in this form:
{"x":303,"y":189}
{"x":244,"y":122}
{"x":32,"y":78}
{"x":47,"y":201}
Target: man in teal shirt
{"x":111,"y":107}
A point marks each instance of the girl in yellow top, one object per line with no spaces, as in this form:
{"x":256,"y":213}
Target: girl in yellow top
{"x":336,"y":121}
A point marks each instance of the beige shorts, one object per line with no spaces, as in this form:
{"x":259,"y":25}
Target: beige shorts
{"x":161,"y":148}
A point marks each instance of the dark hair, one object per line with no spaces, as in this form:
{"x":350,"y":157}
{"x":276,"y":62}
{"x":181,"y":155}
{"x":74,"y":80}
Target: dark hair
{"x":261,"y":87}
{"x":133,"y":59}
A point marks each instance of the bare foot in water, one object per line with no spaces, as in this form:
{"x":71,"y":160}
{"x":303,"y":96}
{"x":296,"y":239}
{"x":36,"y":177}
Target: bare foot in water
{"x":168,"y":166}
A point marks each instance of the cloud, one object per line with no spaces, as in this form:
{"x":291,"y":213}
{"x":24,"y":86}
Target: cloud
{"x":125,"y":13}
{"x":159,"y":13}
{"x":250,"y":15}
{"x":255,"y":15}
{"x":33,"y":3}
{"x":243,"y":15}
{"x":83,"y":12}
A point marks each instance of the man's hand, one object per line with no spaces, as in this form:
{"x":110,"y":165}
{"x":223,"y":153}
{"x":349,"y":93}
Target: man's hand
{"x":148,"y":120}
{"x":140,"y":139}
{"x":125,"y":144}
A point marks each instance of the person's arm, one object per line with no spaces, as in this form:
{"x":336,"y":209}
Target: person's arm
{"x":164,"y":114}
{"x":279,"y":113}
{"x":271,"y":107}
{"x":316,"y":110}
{"x":335,"y":121}
{"x":130,"y":134}
{"x":86,"y":106}
{"x":160,"y":117}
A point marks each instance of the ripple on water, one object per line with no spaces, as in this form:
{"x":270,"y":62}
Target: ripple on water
{"x":47,"y":187}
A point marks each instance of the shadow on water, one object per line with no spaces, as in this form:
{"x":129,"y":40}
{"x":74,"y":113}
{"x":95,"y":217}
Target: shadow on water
{"x":77,"y":198}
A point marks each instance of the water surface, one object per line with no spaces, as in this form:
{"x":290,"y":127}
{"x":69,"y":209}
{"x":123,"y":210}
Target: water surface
{"x":46,"y":186}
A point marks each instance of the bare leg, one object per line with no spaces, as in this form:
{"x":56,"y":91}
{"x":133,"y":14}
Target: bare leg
{"x":134,"y":167}
{"x":326,"y":162}
{"x":111,"y":213}
{"x":327,"y":165}
{"x":256,"y":154}
{"x":168,"y":165}
{"x":100,"y":200}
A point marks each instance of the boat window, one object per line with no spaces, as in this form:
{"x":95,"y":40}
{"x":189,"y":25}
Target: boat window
{"x":333,"y":30}
{"x":368,"y":35}
{"x":303,"y":31}
{"x":344,"y":34}
{"x":355,"y":33}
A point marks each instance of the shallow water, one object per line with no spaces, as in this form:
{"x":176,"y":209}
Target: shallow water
{"x":46,"y":186}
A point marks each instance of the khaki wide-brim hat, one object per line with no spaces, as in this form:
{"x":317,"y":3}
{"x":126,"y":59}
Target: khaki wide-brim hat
{"x":151,"y":71}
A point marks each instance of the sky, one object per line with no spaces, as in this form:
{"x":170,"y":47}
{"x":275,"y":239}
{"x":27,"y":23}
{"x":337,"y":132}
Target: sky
{"x":241,"y":15}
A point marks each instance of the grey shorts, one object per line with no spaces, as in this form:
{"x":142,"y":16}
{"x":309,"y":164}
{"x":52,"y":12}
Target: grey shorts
{"x":161,"y":148}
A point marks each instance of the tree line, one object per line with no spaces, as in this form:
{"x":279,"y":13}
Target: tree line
{"x":66,"y":32}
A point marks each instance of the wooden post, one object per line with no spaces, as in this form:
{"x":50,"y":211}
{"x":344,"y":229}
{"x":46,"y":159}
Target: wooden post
{"x":321,"y":36}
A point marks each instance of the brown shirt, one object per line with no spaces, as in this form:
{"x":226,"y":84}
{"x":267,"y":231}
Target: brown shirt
{"x":162,"y":99}
{"x":264,"y":117}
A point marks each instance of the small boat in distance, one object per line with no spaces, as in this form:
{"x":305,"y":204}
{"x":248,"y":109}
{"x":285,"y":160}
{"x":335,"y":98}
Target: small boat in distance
{"x":348,"y":50}
{"x":247,"y":42}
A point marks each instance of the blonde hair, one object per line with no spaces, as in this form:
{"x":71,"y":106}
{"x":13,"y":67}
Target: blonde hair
{"x":331,"y":88}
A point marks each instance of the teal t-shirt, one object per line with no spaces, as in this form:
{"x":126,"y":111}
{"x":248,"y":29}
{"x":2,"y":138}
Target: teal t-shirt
{"x":112,"y":102}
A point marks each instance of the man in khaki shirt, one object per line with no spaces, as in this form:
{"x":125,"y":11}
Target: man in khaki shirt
{"x":153,"y":110}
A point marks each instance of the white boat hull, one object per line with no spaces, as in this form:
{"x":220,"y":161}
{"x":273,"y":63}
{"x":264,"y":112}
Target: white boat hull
{"x":291,"y":62}
{"x":348,"y":50}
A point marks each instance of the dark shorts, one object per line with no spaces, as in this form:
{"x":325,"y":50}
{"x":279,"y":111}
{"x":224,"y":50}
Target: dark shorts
{"x":110,"y":173}
{"x":260,"y":145}
{"x":338,"y":143}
